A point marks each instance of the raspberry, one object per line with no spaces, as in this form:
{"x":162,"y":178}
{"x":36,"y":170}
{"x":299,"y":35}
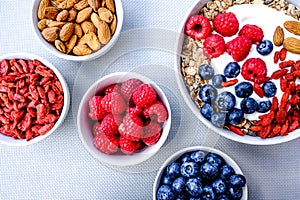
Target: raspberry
{"x":96,"y":110}
{"x":109,"y":125}
{"x":239,"y":48}
{"x":132,"y":127}
{"x":97,"y":129}
{"x":226,"y":24}
{"x":106,"y":144}
{"x":128,"y":87}
{"x":143,"y":96}
{"x":114,"y":103}
{"x":135,"y":110}
{"x":112,"y":88}
{"x":255,"y":70}
{"x":214,"y":46}
{"x":152,"y":133}
{"x":198,"y":27}
{"x":128,"y":146}
{"x":253,"y":32}
{"x":156,"y":111}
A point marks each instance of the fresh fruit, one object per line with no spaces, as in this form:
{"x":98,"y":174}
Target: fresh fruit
{"x":239,"y":48}
{"x":198,"y":27}
{"x":152,"y":133}
{"x":178,"y":185}
{"x":226,"y":24}
{"x":157,"y":112}
{"x":144,"y":95}
{"x":255,"y":70}
{"x":207,"y":110}
{"x":264,"y":106}
{"x":223,"y":197}
{"x":110,"y":124}
{"x":226,"y":171}
{"x":206,"y":72}
{"x":237,"y":180}
{"x":166,"y":180}
{"x":112,"y":88}
{"x":217,"y":80}
{"x":164,"y":192}
{"x":97,"y":129}
{"x":113,"y":103}
{"x":208,"y":193}
{"x":264,"y":47}
{"x":243,"y":89}
{"x":128,"y":146}
{"x":214,"y":159}
{"x":128,"y":87}
{"x":253,"y":32}
{"x":106,"y":143}
{"x":218,"y":119}
{"x":208,"y":171}
{"x":219,"y":186}
{"x":278,"y":36}
{"x":194,"y":187}
{"x":198,"y":156}
{"x":235,"y":116}
{"x":249,"y":105}
{"x":234,"y":193}
{"x":232,"y":70}
{"x":214,"y":46}
{"x":173,"y":169}
{"x":96,"y":111}
{"x":208,"y":93}
{"x":269,"y":88}
{"x":189,"y":169}
{"x":132,"y":127}
{"x":225,"y":101}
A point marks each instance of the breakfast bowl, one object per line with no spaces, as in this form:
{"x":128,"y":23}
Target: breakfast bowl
{"x":201,"y":173}
{"x":201,"y":70}
{"x":79,"y":31}
{"x":35,"y":99}
{"x":117,"y":115}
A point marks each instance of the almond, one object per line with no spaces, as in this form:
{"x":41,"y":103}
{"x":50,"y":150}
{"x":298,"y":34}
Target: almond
{"x":42,"y":24}
{"x":110,"y":4}
{"x":88,"y":27}
{"x":105,"y":15}
{"x":95,"y":19}
{"x":50,"y":34}
{"x":84,"y":14}
{"x":66,"y":31}
{"x":67,"y":4}
{"x":103,"y":32}
{"x":72,"y":15}
{"x":292,"y":45}
{"x":50,"y":12}
{"x":56,"y":24}
{"x":278,"y":36}
{"x":41,"y":9}
{"x":293,"y":27}
{"x":60,"y":46}
{"x":82,"y":50}
{"x":113,"y":25}
{"x":71,"y":43}
{"x":93,"y":41}
{"x":95,"y":4}
{"x":62,"y":16}
{"x":81,"y":5}
{"x":78,"y":30}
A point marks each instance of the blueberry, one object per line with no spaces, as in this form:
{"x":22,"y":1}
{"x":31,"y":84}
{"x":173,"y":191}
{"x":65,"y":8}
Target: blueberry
{"x":194,"y":187}
{"x":214,"y":159}
{"x":208,"y":193}
{"x":206,"y":72}
{"x":218,"y":119}
{"x":182,"y":196}
{"x":226,"y":171}
{"x":237,"y":181}
{"x":223,"y":197}
{"x":232,"y":70}
{"x":208,"y":93}
{"x":243,"y":89}
{"x":166,"y":180}
{"x":269,"y":88}
{"x":189,"y":169}
{"x":265,"y":47}
{"x":164,"y":192}
{"x":249,"y":105}
{"x":173,"y":170}
{"x":178,"y":185}
{"x":235,"y":116}
{"x":185,"y":158}
{"x":206,"y":111}
{"x":195,"y":198}
{"x":217,"y":80}
{"x":219,"y":186}
{"x":264,"y":106}
{"x":225,"y":101}
{"x":235,"y":193}
{"x":198,"y":156}
{"x":208,"y":171}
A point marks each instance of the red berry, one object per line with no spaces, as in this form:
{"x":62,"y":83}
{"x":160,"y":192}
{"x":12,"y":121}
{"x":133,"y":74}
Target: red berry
{"x":156,"y":111}
{"x":226,"y":24}
{"x":97,"y":129}
{"x":239,"y":48}
{"x":255,"y":70}
{"x":214,"y":46}
{"x":96,"y":110}
{"x":114,"y":103}
{"x":144,"y":95}
{"x":106,"y":144}
{"x":198,"y":27}
{"x":152,"y":133}
{"x":253,"y":32}
{"x":112,"y":88}
{"x":135,"y":110}
{"x":128,"y":146}
{"x":132,"y":127}
{"x":129,"y":86}
{"x":109,"y":124}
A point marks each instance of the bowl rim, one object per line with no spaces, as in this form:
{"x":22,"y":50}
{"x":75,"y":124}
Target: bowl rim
{"x":50,"y":47}
{"x":147,"y":154}
{"x":64,"y":112}
{"x":251,"y":140}
{"x":206,"y":149}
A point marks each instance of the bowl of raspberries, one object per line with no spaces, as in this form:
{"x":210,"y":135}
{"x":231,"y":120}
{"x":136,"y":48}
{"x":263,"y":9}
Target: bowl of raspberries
{"x":199,"y":172}
{"x":124,"y":118}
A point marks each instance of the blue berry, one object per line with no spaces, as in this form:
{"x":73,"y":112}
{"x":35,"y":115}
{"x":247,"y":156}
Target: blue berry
{"x":243,"y":89}
{"x":182,"y":196}
{"x":185,"y":158}
{"x":223,"y":197}
{"x":206,"y":72}
{"x":232,"y":70}
{"x":195,"y":198}
{"x":164,"y":192}
{"x":198,"y":156}
{"x":235,"y":116}
{"x":225,"y":101}
{"x":173,"y":170}
{"x":264,"y":106}
{"x":217,"y":80}
{"x":209,"y":171}
{"x":194,"y":187}
{"x":208,"y":93}
{"x":207,"y":110}
{"x":214,"y":159}
{"x":219,"y":186}
{"x":265,"y":47}
{"x":226,"y":171}
{"x":208,"y":193}
{"x":270,"y":89}
{"x":237,"y":181}
{"x":166,"y":180}
{"x":189,"y":169}
{"x":249,"y":105}
{"x":218,"y":119}
{"x":235,"y":193}
{"x":178,"y":186}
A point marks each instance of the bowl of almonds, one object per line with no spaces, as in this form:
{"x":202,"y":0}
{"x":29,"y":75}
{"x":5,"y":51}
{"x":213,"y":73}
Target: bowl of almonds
{"x":77,"y":30}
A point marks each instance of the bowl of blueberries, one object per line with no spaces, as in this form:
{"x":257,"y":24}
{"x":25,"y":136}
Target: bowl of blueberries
{"x":199,"y":172}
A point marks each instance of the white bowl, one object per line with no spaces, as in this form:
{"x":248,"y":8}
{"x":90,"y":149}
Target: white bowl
{"x":22,"y":142}
{"x":206,"y":150}
{"x":85,"y":129}
{"x":51,"y":48}
{"x":194,"y":9}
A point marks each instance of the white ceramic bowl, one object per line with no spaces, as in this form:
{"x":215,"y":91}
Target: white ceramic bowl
{"x":206,"y":150}
{"x":85,"y":129}
{"x":193,"y":10}
{"x":22,"y":142}
{"x":51,"y":48}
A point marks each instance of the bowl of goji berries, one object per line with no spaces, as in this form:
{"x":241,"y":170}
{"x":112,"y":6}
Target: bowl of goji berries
{"x":34,"y":99}
{"x":124,"y":118}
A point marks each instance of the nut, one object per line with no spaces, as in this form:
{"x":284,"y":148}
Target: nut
{"x":50,"y":34}
{"x":56,"y":24}
{"x":292,"y":45}
{"x":110,"y":4}
{"x":71,"y":43}
{"x":60,"y":46}
{"x":42,"y":24}
{"x":42,"y":7}
{"x":66,"y":31}
{"x":50,"y":12}
{"x":278,"y":36}
{"x":113,"y":25}
{"x":78,"y":30}
{"x":67,"y":4}
{"x":104,"y":34}
{"x":81,"y":5}
{"x":88,"y":27}
{"x":72,"y":15}
{"x":105,"y":14}
{"x":293,"y":27}
{"x":62,"y":16}
{"x":84,"y":14}
{"x":93,"y":41}
{"x":95,"y":4}
{"x":82,"y":50}
{"x":96,"y":20}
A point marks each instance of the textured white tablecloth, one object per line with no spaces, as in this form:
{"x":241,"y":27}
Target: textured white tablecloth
{"x":60,"y":168}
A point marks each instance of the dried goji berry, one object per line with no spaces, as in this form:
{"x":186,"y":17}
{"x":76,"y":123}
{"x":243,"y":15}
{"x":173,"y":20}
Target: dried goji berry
{"x":4,"y":68}
{"x":29,"y":134}
{"x":289,"y":77}
{"x":24,"y":65}
{"x":255,"y":128}
{"x":258,"y":90}
{"x":264,"y":132}
{"x":283,"y":84}
{"x":296,"y":73}
{"x":45,"y":129}
{"x":279,"y":73}
{"x":281,"y":116}
{"x":230,"y":83}
{"x":276,"y":57}
{"x":282,"y":54}
{"x":285,"y":64}
{"x":236,"y":130}
{"x":284,"y":99}
{"x":293,"y":125}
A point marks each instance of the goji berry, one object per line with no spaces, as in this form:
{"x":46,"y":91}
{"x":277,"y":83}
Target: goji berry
{"x":264,"y":132}
{"x":293,"y":126}
{"x":230,"y":83}
{"x":276,"y":57}
{"x":285,"y":64}
{"x":258,"y":90}
{"x":296,"y":73}
{"x":236,"y":130}
{"x":284,"y":99}
{"x":279,"y":73}
{"x":255,"y":128}
{"x":281,"y":116}
{"x":284,"y":128}
{"x":283,"y":84}
{"x":289,"y":77}
{"x":282,"y":54}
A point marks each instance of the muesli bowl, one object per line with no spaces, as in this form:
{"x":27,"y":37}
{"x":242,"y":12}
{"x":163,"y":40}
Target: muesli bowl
{"x":190,"y":82}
